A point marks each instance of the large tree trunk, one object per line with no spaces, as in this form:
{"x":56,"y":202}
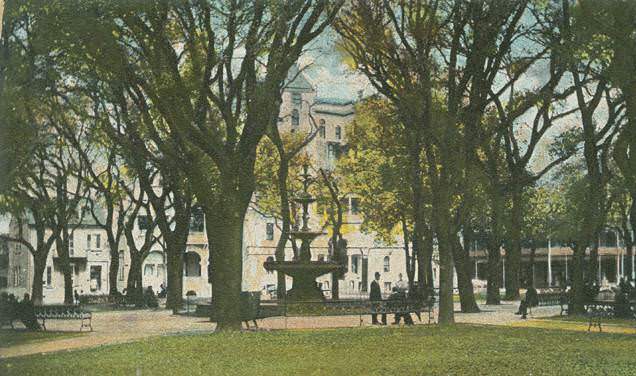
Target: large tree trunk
{"x":340,"y":254}
{"x":37,"y":295}
{"x":61,"y":246}
{"x":283,"y":173}
{"x":494,"y":249}
{"x":409,"y":256}
{"x":176,"y":242}
{"x":577,"y":305}
{"x":446,"y":304}
{"x":533,"y":252}
{"x":513,"y":254}
{"x":464,"y":280}
{"x":134,"y":285}
{"x":113,"y":270}
{"x":225,"y":232}
{"x":593,"y":264}
{"x":445,"y":250}
{"x":174,"y":293}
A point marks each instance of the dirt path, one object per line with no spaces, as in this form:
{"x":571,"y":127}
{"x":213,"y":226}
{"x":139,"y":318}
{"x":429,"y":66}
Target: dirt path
{"x":127,"y":326}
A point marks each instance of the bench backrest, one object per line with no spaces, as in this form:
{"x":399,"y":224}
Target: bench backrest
{"x":59,"y":309}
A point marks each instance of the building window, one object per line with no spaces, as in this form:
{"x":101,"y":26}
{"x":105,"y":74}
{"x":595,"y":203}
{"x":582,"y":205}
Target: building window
{"x":387,"y":286}
{"x":331,"y":152}
{"x":88,"y":242}
{"x":197,"y":220}
{"x":297,"y":99}
{"x":96,"y":278}
{"x":120,"y":274}
{"x":325,"y":285}
{"x":338,"y":132}
{"x":352,"y":285}
{"x":269,"y":229}
{"x":355,"y":205}
{"x":355,"y":261}
{"x":143,"y":222}
{"x":321,"y":129}
{"x":192,"y":267}
{"x":98,"y":241}
{"x":149,"y":270}
{"x":387,"y":264}
{"x":295,"y":118}
{"x":48,"y":276}
{"x":71,"y":244}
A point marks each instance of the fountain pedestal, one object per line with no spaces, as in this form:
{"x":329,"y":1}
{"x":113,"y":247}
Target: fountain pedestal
{"x":304,"y":271}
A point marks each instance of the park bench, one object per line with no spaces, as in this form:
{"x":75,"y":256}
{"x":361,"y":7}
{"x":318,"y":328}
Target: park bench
{"x":602,"y":308}
{"x":360,"y":308}
{"x":250,"y":307}
{"x":546,"y":299}
{"x":64,"y":312}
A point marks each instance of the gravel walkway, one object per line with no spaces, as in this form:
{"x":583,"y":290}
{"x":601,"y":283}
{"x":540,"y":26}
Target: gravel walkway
{"x":126,"y":326}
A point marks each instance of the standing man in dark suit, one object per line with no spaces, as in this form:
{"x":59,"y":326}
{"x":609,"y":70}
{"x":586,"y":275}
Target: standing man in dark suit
{"x":375,"y":295}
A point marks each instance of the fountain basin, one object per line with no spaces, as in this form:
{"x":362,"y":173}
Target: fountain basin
{"x":304,"y":274}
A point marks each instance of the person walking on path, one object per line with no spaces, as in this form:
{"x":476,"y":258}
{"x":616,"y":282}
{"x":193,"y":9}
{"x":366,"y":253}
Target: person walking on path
{"x":375,"y":295}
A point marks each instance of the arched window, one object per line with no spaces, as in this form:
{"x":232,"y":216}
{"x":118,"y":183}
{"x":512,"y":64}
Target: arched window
{"x":295,"y":118}
{"x":192,"y":264}
{"x":387,"y":264}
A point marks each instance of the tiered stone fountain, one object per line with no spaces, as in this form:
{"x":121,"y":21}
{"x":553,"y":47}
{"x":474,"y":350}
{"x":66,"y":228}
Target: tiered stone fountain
{"x":303,"y":270}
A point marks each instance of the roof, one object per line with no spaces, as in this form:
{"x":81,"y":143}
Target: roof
{"x":296,"y":81}
{"x":335,"y":113}
{"x":335,"y":101}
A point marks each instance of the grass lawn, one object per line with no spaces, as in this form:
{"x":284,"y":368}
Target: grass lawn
{"x":421,"y":350}
{"x":585,"y":319}
{"x":12,"y":337}
{"x":580,"y":323}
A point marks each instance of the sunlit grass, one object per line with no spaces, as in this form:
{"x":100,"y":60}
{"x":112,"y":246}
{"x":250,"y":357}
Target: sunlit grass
{"x":428,"y":350}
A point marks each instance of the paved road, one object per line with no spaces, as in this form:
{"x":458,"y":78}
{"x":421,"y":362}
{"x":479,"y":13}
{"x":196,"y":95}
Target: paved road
{"x":127,"y":326}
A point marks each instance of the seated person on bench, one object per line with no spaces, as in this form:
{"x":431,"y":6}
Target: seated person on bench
{"x":399,"y":298}
{"x":531,"y":300}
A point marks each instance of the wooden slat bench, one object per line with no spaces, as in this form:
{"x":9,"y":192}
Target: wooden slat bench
{"x":359,"y":307}
{"x":546,"y":299}
{"x":64,"y":312}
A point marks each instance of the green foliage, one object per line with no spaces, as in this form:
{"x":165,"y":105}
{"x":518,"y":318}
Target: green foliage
{"x":267,"y":169}
{"x":376,"y":169}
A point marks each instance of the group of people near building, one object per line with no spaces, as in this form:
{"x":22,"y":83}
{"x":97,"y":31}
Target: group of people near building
{"x":400,"y":295}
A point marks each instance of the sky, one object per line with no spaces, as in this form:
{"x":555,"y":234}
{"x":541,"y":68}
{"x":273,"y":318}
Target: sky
{"x":324,"y":68}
